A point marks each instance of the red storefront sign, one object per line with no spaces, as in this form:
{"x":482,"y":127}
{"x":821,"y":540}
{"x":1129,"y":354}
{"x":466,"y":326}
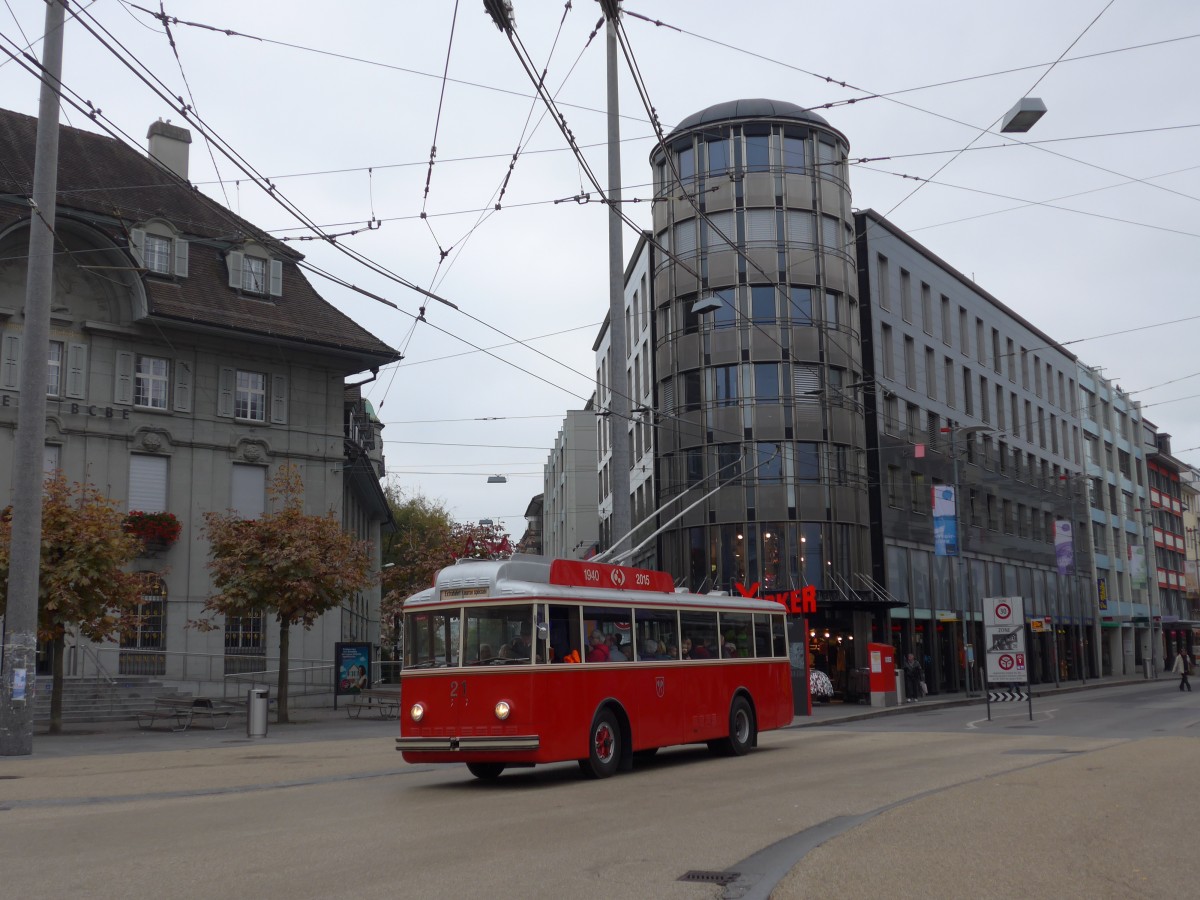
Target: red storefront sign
{"x":801,"y":602}
{"x":581,"y":573}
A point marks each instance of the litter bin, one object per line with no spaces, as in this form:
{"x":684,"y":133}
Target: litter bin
{"x":256,"y":711}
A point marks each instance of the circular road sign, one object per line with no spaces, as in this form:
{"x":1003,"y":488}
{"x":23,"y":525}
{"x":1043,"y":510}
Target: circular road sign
{"x":1006,"y":661}
{"x":1003,"y":611}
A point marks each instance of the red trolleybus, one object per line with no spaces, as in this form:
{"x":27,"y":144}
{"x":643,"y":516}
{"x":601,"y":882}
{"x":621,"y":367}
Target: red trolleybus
{"x":530,"y":660}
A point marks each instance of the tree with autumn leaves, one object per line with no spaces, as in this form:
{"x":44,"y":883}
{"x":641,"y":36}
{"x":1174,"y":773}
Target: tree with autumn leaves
{"x":426,"y":539}
{"x":287,"y":564}
{"x":82,"y":583}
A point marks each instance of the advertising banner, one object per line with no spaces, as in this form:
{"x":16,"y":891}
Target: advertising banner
{"x":352,"y":663}
{"x":1102,"y":593}
{"x":1064,"y":547}
{"x":1190,"y":583}
{"x":945,"y":521}
{"x":1137,"y":566}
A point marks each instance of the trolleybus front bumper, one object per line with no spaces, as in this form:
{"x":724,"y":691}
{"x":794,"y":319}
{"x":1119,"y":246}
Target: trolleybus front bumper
{"x":467,"y":744}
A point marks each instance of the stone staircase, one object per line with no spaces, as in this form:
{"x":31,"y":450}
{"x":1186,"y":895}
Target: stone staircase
{"x":100,"y":700}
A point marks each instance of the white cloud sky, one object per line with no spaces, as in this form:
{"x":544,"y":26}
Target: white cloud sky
{"x":1117,"y":258}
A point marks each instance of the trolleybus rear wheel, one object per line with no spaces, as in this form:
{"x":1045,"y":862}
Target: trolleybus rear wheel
{"x":604,"y":746}
{"x":741,"y":730}
{"x":486,"y":771}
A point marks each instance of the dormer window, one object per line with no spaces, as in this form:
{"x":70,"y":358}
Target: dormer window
{"x":159,"y":250}
{"x":252,"y":272}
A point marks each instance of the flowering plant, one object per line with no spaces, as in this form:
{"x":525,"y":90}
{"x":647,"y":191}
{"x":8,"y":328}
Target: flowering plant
{"x":153,"y":528}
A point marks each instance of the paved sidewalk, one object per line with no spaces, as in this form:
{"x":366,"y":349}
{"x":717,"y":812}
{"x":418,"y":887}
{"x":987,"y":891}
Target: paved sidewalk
{"x":835,"y":713}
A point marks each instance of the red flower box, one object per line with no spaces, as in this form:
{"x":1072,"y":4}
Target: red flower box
{"x":161,"y":528}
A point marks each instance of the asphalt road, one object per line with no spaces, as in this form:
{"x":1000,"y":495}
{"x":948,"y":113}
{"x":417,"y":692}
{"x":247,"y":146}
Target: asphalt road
{"x":1094,"y":798}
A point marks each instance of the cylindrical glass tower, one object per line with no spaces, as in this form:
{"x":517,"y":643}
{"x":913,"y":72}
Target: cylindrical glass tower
{"x":758,"y":358}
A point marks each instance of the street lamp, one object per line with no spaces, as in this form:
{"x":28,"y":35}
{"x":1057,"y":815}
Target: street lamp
{"x":966,"y":607}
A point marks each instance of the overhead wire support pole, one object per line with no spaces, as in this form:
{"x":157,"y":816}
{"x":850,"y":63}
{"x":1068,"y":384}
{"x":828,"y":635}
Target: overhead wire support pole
{"x":618,"y":422}
{"x":18,"y":688}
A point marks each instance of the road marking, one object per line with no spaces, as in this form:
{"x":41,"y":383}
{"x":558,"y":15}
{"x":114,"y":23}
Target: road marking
{"x":1048,"y":714}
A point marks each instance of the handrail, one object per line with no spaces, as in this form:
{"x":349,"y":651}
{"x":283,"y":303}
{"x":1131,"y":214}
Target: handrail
{"x":90,"y":652}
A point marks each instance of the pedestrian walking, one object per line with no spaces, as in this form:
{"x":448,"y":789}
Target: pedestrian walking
{"x":914,"y":676}
{"x":1181,"y":668}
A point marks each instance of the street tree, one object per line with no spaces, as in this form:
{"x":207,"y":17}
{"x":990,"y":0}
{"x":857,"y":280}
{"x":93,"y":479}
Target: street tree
{"x":288,"y":564}
{"x":425,"y":541}
{"x":82,"y":582}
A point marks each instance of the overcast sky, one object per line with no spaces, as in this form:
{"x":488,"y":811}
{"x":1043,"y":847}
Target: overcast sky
{"x":1087,"y":233}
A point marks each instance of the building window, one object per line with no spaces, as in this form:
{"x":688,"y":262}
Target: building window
{"x":930,"y":374}
{"x":254,"y":275}
{"x":54,"y":370}
{"x":150,"y":382}
{"x":905,"y":296}
{"x":724,"y":385}
{"x":885,"y":298}
{"x":926,"y":309}
{"x":146,"y":635}
{"x":156,"y":251}
{"x":887,"y":351}
{"x":250,"y":396}
{"x":893,"y":486}
{"x":147,"y":483}
{"x":910,"y":362}
{"x":766,"y":381}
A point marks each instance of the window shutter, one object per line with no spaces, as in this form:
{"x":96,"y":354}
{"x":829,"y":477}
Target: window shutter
{"x":234,"y":261}
{"x":147,"y":483}
{"x":685,"y":238}
{"x":279,"y":399}
{"x":181,"y":258}
{"x":77,"y":371}
{"x":10,"y":368}
{"x":137,"y":243}
{"x":719,"y":222}
{"x":123,"y":388}
{"x":276,"y":278}
{"x":225,"y":391}
{"x":50,"y":458}
{"x":249,"y":485}
{"x":800,"y":227}
{"x":806,"y":382}
{"x":183,"y":386}
{"x":760,"y":226}
{"x":668,"y":398}
{"x":829,"y":232}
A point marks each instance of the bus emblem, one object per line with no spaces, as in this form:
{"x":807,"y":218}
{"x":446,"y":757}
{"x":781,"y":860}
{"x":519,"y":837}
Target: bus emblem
{"x":618,"y":577}
{"x":660,"y":686}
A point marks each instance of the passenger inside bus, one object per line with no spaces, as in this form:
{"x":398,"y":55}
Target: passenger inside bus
{"x":615,"y":652}
{"x":598,"y":649}
{"x":650,"y":649}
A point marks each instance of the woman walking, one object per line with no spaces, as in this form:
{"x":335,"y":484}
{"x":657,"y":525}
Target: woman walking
{"x":1182,"y":664}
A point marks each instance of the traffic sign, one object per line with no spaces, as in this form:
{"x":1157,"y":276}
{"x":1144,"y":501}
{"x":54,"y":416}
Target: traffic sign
{"x":1004,"y":627}
{"x":1011,"y":695}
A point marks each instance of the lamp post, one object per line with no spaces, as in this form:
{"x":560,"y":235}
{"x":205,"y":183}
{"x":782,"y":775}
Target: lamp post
{"x":964,"y":603}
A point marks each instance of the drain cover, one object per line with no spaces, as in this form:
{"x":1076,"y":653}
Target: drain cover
{"x":710,"y":877}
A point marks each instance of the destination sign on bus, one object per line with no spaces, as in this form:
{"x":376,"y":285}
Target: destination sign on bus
{"x":581,"y":573}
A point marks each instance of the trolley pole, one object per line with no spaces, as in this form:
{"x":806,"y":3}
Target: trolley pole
{"x":17,"y":673}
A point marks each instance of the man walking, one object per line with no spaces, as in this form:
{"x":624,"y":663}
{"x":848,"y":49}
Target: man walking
{"x":1180,"y":668}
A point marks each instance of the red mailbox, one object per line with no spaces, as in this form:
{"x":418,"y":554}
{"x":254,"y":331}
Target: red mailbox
{"x":881,"y":661}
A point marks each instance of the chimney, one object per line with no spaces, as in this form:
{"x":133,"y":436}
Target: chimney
{"x":169,"y":147}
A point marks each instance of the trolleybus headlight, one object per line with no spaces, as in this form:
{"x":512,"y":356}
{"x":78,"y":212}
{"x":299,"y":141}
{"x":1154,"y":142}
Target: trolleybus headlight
{"x":417,"y":712}
{"x":503,"y":709}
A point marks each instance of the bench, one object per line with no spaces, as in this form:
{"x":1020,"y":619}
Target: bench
{"x":385,"y":701}
{"x":183,"y":712}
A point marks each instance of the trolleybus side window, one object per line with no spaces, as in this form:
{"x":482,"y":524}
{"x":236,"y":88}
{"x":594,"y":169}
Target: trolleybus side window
{"x":735,"y":635}
{"x":659,"y":627}
{"x":611,"y":623}
{"x":499,"y":635}
{"x":565,"y":629}
{"x":762,"y":634}
{"x":698,"y":631}
{"x":431,"y":639}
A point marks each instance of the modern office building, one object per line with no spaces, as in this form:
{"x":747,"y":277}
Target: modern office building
{"x":757,"y":350}
{"x":963,"y":392}
{"x":638,"y":357}
{"x":189,"y":358}
{"x":570,"y":488}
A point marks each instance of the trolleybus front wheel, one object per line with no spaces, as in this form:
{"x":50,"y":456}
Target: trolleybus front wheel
{"x":485,"y":771}
{"x":604,"y":746}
